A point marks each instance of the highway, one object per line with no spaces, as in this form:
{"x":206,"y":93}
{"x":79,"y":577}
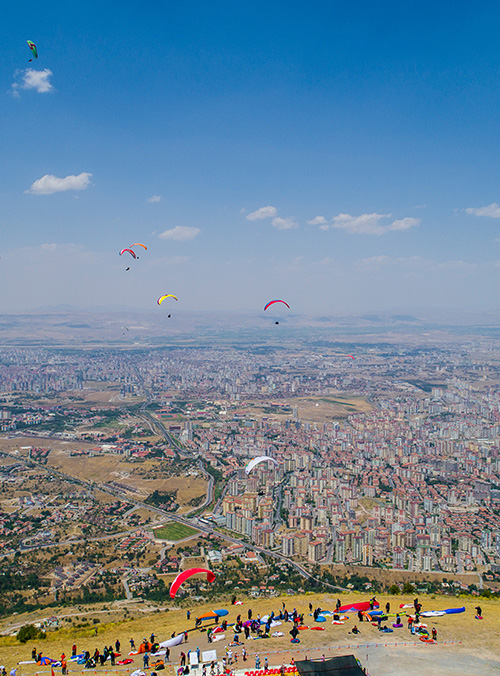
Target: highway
{"x":209,"y":530}
{"x":186,"y":520}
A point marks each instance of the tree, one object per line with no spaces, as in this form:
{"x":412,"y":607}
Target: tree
{"x":408,"y":588}
{"x":28,"y":632}
{"x":394,"y":589}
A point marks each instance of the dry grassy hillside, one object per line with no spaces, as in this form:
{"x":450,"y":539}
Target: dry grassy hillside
{"x":461,"y":637}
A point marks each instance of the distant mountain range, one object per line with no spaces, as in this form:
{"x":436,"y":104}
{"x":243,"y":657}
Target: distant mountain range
{"x":132,"y":327}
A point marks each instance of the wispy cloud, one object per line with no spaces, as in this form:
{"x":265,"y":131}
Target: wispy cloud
{"x":415,"y":263}
{"x":318,"y":220}
{"x":181,"y":233}
{"x":39,"y":80}
{"x":49,"y":184}
{"x":169,"y":260}
{"x":284,"y":223}
{"x":370,"y":224}
{"x":491,"y":211}
{"x":262,"y":213}
{"x":154,"y":199}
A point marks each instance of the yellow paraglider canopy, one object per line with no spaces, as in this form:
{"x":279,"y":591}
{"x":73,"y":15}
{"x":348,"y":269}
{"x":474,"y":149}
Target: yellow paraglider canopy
{"x":167,"y":295}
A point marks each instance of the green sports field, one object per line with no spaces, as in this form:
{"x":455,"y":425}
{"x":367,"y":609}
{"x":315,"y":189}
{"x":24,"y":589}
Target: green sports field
{"x":174,"y":531}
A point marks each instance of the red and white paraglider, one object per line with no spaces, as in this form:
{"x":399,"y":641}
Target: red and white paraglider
{"x":185,"y":575}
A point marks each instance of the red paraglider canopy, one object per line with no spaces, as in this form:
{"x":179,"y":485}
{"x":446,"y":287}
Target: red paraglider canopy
{"x":182,"y":577}
{"x":132,"y":253}
{"x":271,"y":302}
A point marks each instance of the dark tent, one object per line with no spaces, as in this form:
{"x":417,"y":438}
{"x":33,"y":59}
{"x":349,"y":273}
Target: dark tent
{"x":344,"y":665}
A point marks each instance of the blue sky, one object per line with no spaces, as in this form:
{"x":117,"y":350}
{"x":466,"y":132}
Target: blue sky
{"x":378,"y":122}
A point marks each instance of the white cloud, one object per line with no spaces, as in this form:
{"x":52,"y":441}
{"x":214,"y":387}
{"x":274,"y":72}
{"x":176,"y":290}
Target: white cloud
{"x":263,"y":212}
{"x":154,"y":198}
{"x":324,"y":227}
{"x":318,"y":220}
{"x":491,"y":211}
{"x":284,"y":223}
{"x":376,"y":260}
{"x":415,"y":263}
{"x":181,"y":233}
{"x":369,"y":224}
{"x":49,"y":184}
{"x":33,"y":79}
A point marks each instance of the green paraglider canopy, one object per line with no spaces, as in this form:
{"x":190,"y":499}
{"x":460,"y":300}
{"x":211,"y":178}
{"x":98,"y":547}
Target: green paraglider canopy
{"x":33,"y":48}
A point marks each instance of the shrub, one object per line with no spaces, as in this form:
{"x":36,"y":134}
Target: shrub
{"x":28,"y":632}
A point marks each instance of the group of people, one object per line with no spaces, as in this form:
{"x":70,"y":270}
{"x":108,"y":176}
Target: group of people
{"x":89,"y":660}
{"x":252,"y":625}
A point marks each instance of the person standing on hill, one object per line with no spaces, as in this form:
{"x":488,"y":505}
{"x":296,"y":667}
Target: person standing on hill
{"x":117,"y":645}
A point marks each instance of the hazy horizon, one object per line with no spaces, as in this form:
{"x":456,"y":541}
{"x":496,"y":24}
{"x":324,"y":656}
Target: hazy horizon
{"x":342,"y":158}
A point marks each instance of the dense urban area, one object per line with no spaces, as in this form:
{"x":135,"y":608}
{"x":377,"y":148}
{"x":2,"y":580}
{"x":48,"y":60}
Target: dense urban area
{"x":120,"y":467}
